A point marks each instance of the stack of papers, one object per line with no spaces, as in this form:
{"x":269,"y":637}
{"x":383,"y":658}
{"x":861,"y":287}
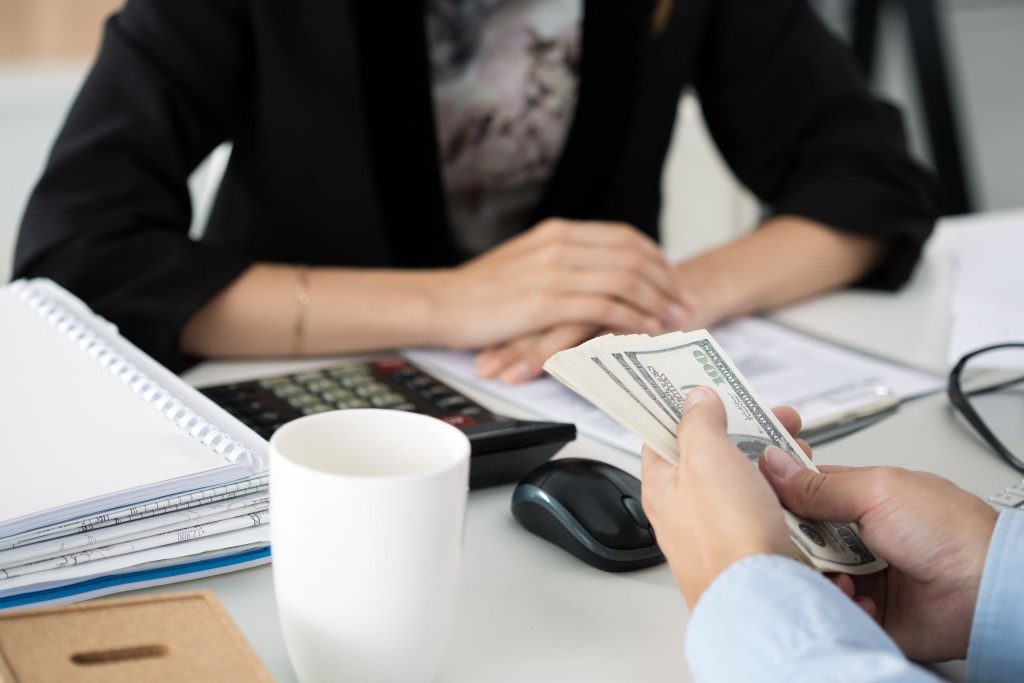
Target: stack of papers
{"x":115,"y":472}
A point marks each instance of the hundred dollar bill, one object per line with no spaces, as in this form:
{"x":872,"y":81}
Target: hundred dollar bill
{"x":642,"y":382}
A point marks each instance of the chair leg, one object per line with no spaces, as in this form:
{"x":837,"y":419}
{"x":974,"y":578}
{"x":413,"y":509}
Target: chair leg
{"x":933,"y":79}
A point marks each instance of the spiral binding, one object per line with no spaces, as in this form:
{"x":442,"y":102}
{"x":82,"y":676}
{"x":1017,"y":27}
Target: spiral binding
{"x":136,"y":380}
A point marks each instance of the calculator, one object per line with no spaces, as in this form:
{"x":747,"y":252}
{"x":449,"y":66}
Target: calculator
{"x":503,"y":449}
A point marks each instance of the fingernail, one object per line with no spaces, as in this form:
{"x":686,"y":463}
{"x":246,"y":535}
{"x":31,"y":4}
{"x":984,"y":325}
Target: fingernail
{"x":653,"y":326}
{"x":488,"y":365}
{"x":780,"y":463}
{"x":696,"y":395}
{"x":675,"y":314}
{"x":519,"y":371}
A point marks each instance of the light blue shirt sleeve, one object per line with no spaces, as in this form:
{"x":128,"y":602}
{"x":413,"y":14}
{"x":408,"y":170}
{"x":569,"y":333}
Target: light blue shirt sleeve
{"x":770,"y":618}
{"x":996,"y":650}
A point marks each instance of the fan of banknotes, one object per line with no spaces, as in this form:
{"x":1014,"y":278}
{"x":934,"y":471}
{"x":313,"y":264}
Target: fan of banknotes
{"x":642,"y":381}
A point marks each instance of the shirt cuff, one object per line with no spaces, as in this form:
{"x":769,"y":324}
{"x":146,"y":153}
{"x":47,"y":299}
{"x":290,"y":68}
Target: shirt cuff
{"x":995,"y":654}
{"x":770,"y":618}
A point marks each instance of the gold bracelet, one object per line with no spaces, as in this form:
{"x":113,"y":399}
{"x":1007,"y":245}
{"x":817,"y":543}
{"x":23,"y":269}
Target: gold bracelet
{"x":302,"y":299}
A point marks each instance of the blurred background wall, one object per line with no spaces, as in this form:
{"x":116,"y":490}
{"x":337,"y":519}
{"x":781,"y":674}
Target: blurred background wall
{"x":46,"y":47}
{"x":51,"y":28}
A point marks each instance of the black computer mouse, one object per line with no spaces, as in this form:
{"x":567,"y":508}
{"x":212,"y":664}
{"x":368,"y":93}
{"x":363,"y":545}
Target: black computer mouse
{"x":590,"y":509}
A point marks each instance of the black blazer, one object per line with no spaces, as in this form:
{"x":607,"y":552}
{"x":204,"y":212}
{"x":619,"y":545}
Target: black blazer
{"x":329,"y":107}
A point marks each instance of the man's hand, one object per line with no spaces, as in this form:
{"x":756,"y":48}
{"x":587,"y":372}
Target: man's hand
{"x":713,"y":508}
{"x":560,"y":272}
{"x":934,"y":535}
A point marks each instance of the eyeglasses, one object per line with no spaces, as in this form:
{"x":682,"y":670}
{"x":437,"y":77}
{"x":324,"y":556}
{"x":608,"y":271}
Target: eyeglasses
{"x":987,"y":387}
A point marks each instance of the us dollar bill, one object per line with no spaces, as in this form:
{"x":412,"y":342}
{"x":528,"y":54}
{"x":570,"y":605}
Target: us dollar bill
{"x":642,"y":382}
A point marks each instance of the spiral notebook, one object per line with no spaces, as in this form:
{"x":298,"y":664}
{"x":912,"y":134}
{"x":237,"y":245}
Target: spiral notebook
{"x":90,"y":422}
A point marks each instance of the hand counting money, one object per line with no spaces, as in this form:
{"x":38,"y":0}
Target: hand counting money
{"x":642,"y":381}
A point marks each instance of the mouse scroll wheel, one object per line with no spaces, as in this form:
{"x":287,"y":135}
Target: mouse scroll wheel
{"x":636,"y":511}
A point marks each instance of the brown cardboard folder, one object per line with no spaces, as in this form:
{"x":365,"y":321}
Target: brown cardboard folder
{"x":176,"y":637}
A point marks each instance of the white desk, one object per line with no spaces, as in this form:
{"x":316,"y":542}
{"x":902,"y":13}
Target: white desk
{"x":529,"y":611}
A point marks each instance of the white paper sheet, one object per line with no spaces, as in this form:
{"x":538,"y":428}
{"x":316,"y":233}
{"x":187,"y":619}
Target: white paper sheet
{"x":26,"y":574}
{"x":822,"y":380}
{"x":77,"y":439}
{"x":128,"y":531}
{"x":174,"y":554}
{"x":987,"y":302}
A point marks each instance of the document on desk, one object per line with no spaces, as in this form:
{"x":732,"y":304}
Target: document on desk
{"x":825,"y":382}
{"x":252,"y":536}
{"x":988,"y":285}
{"x":101,"y":536}
{"x":19,"y":575}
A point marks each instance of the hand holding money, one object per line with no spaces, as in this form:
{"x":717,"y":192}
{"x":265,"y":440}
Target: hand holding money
{"x":712,"y":509}
{"x":642,"y":382}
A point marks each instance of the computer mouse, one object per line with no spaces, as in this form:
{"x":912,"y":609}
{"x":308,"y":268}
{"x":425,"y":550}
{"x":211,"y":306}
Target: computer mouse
{"x":592,"y":510}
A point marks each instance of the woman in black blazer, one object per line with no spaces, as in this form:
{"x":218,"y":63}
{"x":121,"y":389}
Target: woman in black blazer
{"x":476,"y":174}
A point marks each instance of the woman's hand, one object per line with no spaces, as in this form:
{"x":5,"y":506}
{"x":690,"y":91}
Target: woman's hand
{"x":523,"y":358}
{"x":713,"y":508}
{"x":560,"y":273}
{"x":933,"y":534}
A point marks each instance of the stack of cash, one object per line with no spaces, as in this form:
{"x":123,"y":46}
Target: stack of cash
{"x":642,"y":381}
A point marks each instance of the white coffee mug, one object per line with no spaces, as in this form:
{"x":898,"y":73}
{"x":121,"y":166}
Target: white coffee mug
{"x":367,"y":511}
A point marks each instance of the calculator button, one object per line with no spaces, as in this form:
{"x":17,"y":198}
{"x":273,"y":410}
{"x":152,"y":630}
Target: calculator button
{"x":404,"y":406}
{"x":451,"y":402}
{"x":307,"y":376}
{"x":285,"y":390}
{"x":436,"y":391}
{"x":471,"y":410}
{"x":319,"y":385}
{"x":316,"y":408}
{"x":386,"y":400}
{"x":267,"y":417}
{"x":271,"y":382}
{"x":459,"y":420}
{"x":246,"y":407}
{"x":420,"y":382}
{"x":371,"y":390}
{"x":335,"y":395}
{"x":352,"y":403}
{"x":302,"y":400}
{"x":387,"y":366}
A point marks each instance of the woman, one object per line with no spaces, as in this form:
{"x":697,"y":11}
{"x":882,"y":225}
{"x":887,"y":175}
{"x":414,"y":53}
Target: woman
{"x":478,"y":174}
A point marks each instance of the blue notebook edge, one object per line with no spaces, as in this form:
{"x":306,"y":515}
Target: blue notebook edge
{"x":131,"y":580}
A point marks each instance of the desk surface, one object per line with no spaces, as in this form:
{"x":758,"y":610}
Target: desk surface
{"x":527,"y":609}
